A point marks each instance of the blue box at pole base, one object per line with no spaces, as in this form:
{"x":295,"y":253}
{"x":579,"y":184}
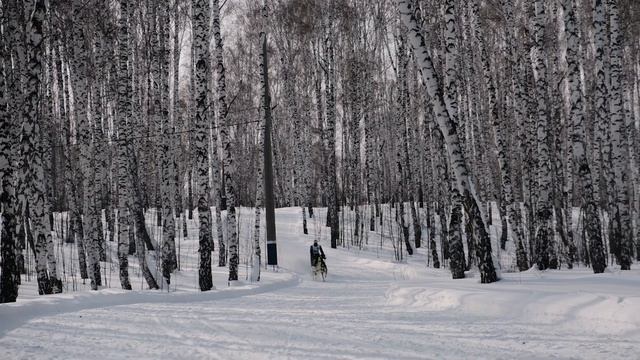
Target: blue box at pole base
{"x":272,"y":253}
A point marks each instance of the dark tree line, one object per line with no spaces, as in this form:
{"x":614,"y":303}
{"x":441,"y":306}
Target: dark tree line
{"x":408,"y":119}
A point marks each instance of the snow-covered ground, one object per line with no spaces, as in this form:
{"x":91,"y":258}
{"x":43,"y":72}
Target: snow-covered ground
{"x":369,"y":308}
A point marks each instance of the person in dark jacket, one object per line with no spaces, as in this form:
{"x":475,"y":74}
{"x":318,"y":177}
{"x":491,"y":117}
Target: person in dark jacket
{"x":315,"y":251}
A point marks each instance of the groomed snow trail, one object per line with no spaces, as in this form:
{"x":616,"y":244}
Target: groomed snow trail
{"x":370,"y":308}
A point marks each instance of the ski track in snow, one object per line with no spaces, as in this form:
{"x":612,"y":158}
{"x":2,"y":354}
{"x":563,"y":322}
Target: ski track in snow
{"x":370,"y":308}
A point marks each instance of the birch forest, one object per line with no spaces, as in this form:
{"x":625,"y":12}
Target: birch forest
{"x":493,"y":136}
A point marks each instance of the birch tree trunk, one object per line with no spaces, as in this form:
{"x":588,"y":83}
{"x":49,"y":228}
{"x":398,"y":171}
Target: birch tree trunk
{"x":97,"y":79}
{"x":222,"y":249}
{"x":369,"y":123}
{"x":464,"y":181}
{"x":15,"y":32}
{"x":596,"y":249}
{"x":47,"y":155}
{"x":355,"y":104}
{"x":409,"y":151}
{"x":456,"y":246}
{"x":330,"y":144}
{"x":100,"y":155}
{"x":100,"y":173}
{"x":124,"y":117}
{"x":142,"y":241}
{"x":620,"y":216}
{"x":514,"y":213}
{"x":200,"y":9}
{"x":506,"y":198}
{"x":10,"y":279}
{"x":80,"y":76}
{"x":298,"y":171}
{"x":256,"y":254}
{"x":69,"y":159}
{"x":401,"y":124}
{"x":228,"y":158}
{"x":169,"y":261}
{"x":31,"y":147}
{"x":544,"y":232}
{"x":175,"y":110}
{"x":576,"y":115}
{"x":431,"y":211}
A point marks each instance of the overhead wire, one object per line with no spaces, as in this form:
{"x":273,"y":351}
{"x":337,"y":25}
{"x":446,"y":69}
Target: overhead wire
{"x":114,"y":140}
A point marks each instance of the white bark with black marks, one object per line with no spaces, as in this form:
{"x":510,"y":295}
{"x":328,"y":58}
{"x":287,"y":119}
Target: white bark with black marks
{"x":31,"y":149}
{"x":592,"y":224}
{"x":227,"y":146}
{"x":620,"y":216}
{"x":10,"y":277}
{"x":601,"y":138}
{"x":123,"y":129}
{"x":167,"y":187}
{"x":200,"y":10}
{"x":544,"y":232}
{"x":463,"y":178}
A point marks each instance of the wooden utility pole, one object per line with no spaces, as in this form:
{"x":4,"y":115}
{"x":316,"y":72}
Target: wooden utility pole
{"x":272,"y":250}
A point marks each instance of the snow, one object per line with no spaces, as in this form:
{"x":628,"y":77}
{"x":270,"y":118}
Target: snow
{"x":369,"y":308}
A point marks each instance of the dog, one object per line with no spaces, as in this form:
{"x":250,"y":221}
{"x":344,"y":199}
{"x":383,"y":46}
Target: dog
{"x":320,"y":269}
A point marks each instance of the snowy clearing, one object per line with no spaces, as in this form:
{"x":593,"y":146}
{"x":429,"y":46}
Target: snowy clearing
{"x":370,"y":308}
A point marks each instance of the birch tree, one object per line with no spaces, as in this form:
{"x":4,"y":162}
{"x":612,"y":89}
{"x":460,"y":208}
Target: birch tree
{"x":620,"y":208}
{"x":124,"y":116}
{"x":401,"y":124}
{"x":450,"y":96}
{"x":228,"y":158}
{"x":464,"y":180}
{"x":544,"y":232}
{"x":580,"y":157}
{"x":31,"y":149}
{"x":10,"y":277}
{"x":598,"y":259}
{"x":200,"y":9}
{"x":514,"y":214}
{"x":330,"y":142}
{"x":169,"y":261}
{"x":257,"y":254}
{"x":87,"y":154}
